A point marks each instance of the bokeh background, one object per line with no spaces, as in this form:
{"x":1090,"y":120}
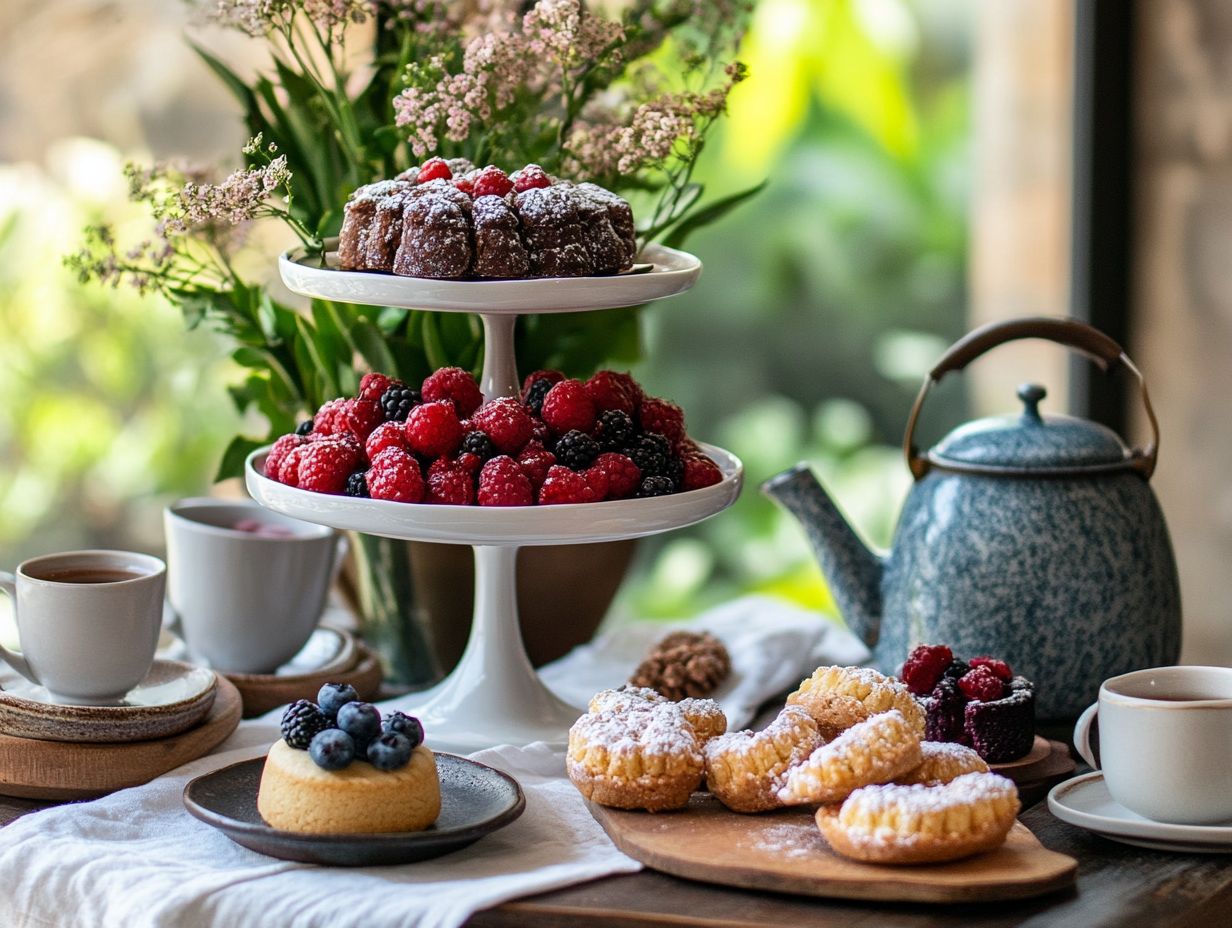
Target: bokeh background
{"x":919,"y":154}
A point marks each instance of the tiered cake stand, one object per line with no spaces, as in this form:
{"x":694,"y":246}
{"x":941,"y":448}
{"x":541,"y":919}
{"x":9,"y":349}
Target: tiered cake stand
{"x":494,"y":695}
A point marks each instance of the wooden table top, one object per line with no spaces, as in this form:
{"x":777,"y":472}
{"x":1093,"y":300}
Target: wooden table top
{"x":1117,"y":885}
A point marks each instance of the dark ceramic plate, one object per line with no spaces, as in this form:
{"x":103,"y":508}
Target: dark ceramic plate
{"x":476,"y":800}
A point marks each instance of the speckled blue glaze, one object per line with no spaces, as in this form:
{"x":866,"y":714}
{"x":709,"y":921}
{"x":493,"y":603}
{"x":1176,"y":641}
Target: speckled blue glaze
{"x":1070,"y":579}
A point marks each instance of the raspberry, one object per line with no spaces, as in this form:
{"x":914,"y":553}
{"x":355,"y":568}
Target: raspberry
{"x":540,"y":432}
{"x":466,"y":185}
{"x":662,"y":416}
{"x":288,"y":469}
{"x":568,"y":406}
{"x":491,"y":181}
{"x":373,"y":386}
{"x":385,"y":435}
{"x":398,"y":401}
{"x":610,"y":390}
{"x":615,"y":430}
{"x":552,"y":377}
{"x":700,"y":471}
{"x":453,"y":383}
{"x":469,"y":461}
{"x":530,"y":177}
{"x":924,"y":667}
{"x":982,"y":684}
{"x":325,"y":466}
{"x":656,"y":486}
{"x":394,"y":475}
{"x":563,"y":485}
{"x":433,"y":429}
{"x":450,"y":483}
{"x":502,"y":483}
{"x":576,"y":450}
{"x":433,"y":169}
{"x":998,"y":667}
{"x":357,"y":484}
{"x":506,"y":422}
{"x":622,"y":474}
{"x":360,"y":417}
{"x":278,"y":453}
{"x":536,"y":462}
{"x":323,"y":423}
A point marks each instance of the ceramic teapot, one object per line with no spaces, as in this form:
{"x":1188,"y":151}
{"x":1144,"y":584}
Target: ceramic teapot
{"x":1031,"y":537}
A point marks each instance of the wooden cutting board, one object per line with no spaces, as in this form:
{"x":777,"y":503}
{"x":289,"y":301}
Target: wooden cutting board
{"x":784,"y":852}
{"x":62,"y":770}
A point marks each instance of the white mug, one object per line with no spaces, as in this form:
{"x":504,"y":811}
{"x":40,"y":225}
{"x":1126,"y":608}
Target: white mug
{"x":1165,"y":742}
{"x":87,"y":621}
{"x":247,"y":600}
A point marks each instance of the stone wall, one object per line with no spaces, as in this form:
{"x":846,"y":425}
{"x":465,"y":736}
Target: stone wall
{"x":1182,"y":281}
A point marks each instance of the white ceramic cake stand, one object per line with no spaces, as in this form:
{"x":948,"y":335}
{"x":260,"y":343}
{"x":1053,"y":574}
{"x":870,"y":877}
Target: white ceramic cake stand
{"x":494,"y":695}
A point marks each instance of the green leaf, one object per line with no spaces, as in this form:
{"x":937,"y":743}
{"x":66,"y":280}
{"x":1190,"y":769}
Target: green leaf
{"x":232,"y":81}
{"x":372,"y":348}
{"x":247,"y":356}
{"x":711,"y":213}
{"x":232,"y":463}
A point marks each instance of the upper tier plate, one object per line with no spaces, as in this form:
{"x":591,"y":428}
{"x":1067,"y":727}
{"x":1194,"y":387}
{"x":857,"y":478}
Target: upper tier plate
{"x":492,"y":525}
{"x":673,"y":272}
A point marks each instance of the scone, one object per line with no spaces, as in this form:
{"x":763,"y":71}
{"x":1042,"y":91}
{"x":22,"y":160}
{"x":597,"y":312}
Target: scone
{"x":297,"y":795}
{"x":839,"y":697}
{"x":745,"y":770}
{"x":922,"y":824}
{"x":646,"y":756}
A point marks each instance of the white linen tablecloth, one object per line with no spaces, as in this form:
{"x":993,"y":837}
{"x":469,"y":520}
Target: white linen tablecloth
{"x":136,"y":858}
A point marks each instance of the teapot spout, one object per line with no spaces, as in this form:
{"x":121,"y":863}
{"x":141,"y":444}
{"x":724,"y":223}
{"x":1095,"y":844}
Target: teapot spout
{"x":850,"y":568}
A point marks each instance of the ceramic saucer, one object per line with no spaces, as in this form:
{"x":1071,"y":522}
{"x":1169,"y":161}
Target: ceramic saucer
{"x":172,"y":698}
{"x":475,"y":800}
{"x":1085,"y":801}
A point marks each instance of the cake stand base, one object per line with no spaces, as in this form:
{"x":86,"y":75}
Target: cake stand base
{"x":494,"y":695}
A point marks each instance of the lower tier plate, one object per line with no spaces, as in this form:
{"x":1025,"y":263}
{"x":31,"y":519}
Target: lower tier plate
{"x":491,"y":525}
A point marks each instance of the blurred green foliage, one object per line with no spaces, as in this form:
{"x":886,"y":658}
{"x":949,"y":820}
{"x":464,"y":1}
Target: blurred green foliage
{"x":823,"y":301}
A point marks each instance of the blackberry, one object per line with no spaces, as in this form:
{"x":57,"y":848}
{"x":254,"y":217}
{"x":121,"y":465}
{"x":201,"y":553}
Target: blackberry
{"x":616,"y":430}
{"x":651,"y":453}
{"x":398,"y":400}
{"x":478,"y":444}
{"x":957,"y":669}
{"x":576,"y":450}
{"x":357,"y":484}
{"x":302,"y":722}
{"x":534,"y":396}
{"x":305,"y":427}
{"x":656,"y":486}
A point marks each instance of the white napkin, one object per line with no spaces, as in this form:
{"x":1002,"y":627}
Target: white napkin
{"x":772,"y":645}
{"x":136,"y":858}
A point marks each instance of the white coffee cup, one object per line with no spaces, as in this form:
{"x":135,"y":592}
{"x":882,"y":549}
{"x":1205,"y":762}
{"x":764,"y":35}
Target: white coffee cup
{"x":247,"y":601}
{"x":1165,"y":742}
{"x":87,"y":621}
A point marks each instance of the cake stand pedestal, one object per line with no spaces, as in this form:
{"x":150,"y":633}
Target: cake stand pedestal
{"x":494,"y":696}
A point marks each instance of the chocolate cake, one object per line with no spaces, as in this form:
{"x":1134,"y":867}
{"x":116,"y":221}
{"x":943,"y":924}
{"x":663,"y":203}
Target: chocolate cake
{"x":447,"y":220}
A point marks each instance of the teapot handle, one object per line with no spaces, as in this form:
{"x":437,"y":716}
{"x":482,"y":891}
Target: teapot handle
{"x":1087,"y":340}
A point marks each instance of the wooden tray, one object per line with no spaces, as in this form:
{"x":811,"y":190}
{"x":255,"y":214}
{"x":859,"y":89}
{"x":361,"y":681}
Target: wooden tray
{"x":261,"y":693}
{"x":784,"y":852}
{"x":62,"y":770}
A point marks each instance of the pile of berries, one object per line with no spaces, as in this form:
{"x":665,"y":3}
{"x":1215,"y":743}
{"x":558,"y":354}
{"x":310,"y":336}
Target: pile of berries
{"x":977,"y":702}
{"x":561,"y":441}
{"x":338,"y":729}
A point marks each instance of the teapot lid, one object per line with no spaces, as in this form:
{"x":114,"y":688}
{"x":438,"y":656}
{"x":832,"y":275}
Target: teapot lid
{"x":1031,"y":444}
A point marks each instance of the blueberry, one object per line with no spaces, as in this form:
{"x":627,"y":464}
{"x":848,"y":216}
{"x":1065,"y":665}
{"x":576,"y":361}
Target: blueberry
{"x":362,"y":721}
{"x":402,"y":724}
{"x":334,"y":696}
{"x":332,"y":749}
{"x":390,"y":751}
